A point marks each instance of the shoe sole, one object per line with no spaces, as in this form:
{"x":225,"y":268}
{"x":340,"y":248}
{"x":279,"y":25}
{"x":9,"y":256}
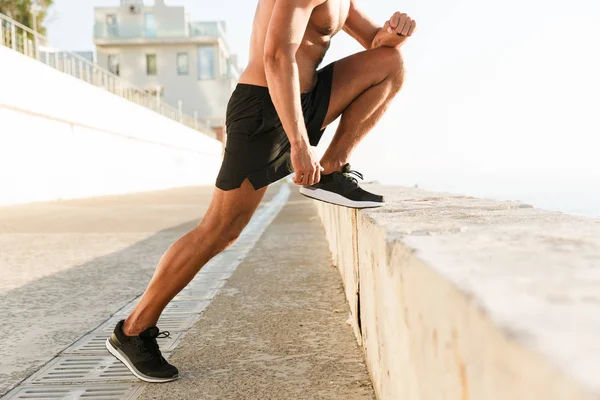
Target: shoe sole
{"x":337,"y":199}
{"x":125,"y":360}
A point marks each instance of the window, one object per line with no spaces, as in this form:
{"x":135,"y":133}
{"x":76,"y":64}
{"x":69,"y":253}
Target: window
{"x":151,"y":64}
{"x":149,"y":25}
{"x":112,"y":25}
{"x":113,"y":63}
{"x":206,"y":62}
{"x":183,"y":65}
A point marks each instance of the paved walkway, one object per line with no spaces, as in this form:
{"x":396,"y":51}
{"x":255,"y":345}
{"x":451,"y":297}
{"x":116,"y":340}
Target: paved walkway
{"x":66,"y":266}
{"x":276,"y":330}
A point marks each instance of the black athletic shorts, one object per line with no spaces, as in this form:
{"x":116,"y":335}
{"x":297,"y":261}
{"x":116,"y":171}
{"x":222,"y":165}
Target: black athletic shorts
{"x":257,"y":147}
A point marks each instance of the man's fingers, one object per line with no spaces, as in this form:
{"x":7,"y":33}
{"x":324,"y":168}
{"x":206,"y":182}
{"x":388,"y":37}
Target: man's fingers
{"x":412,"y":28}
{"x":310,"y":179}
{"x":297,"y":179}
{"x":387,"y":28}
{"x":318,"y":172}
{"x":395,"y":20}
{"x":407,"y":26}
{"x":401,"y":23}
{"x":317,"y":175}
{"x":304,"y":180}
{"x":300,"y":178}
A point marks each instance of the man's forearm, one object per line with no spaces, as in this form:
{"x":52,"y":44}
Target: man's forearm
{"x":284,"y":88}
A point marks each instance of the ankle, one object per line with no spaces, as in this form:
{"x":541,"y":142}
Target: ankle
{"x":331,"y":167}
{"x":130,"y":328}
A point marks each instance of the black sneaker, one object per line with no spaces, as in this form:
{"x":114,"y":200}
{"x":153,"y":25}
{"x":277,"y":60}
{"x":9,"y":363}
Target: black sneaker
{"x":141,"y":354}
{"x":342,"y":188}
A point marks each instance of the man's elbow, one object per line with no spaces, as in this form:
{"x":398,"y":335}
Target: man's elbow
{"x":275,"y":58}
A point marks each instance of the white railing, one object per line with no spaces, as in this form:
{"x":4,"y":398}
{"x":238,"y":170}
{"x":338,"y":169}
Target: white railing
{"x":30,"y":43}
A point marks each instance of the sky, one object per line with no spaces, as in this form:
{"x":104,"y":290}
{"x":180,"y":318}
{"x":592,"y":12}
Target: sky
{"x":501,"y":99}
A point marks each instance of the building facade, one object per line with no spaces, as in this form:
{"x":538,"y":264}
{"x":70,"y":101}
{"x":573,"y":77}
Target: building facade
{"x":158,"y":49}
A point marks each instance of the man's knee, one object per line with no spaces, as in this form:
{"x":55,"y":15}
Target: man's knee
{"x":229,"y":229}
{"x":395,"y":66}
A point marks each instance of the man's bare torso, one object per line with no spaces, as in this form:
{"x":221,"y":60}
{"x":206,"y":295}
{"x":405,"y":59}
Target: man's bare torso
{"x":326,"y":20}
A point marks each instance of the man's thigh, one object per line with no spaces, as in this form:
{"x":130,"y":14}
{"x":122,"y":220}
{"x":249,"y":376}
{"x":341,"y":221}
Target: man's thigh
{"x":355,"y":74}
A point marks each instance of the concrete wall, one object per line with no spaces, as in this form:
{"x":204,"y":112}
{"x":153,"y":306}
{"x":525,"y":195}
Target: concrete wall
{"x":63,"y":138}
{"x":460,"y":298}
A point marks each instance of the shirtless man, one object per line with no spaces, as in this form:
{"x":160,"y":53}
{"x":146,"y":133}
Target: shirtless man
{"x":277,"y":112}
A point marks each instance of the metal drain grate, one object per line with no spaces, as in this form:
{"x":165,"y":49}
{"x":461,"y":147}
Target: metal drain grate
{"x":204,"y":285}
{"x":186,"y":307}
{"x":94,"y":344}
{"x":208,"y":276}
{"x":78,"y":369}
{"x":196,"y":294}
{"x":104,"y":376}
{"x":218,"y":268}
{"x":172,"y":323}
{"x":174,"y":307}
{"x":104,"y":392}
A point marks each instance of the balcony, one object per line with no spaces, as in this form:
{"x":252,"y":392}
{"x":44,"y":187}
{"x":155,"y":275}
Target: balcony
{"x":120,"y":32}
{"x":131,"y":34}
{"x":213,"y":28}
{"x":207,"y":29}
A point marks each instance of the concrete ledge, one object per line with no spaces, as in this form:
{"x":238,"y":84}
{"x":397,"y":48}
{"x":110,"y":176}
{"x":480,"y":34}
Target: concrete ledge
{"x":454,"y":297}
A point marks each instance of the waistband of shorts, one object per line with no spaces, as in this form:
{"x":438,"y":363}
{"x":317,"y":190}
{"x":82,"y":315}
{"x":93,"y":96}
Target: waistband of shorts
{"x":255,"y":90}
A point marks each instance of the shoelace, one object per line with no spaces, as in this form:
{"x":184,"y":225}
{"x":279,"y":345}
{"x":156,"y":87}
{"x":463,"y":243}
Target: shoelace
{"x":350,"y":177}
{"x":355,"y":173}
{"x":165,"y":334}
{"x":151,"y":346}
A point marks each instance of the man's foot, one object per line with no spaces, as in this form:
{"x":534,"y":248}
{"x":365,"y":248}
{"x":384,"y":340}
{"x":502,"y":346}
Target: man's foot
{"x":141,"y":354}
{"x":342,"y":188}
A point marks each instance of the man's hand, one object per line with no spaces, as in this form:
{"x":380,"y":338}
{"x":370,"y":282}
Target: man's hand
{"x":395,"y":31}
{"x":306,"y":166}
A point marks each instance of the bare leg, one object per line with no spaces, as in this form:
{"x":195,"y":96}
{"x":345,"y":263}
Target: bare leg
{"x":227,"y":215}
{"x":363,"y":86}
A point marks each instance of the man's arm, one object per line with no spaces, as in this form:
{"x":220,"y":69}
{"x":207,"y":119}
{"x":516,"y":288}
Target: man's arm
{"x":284,"y":35}
{"x":361,"y":27}
{"x":371,"y":35}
